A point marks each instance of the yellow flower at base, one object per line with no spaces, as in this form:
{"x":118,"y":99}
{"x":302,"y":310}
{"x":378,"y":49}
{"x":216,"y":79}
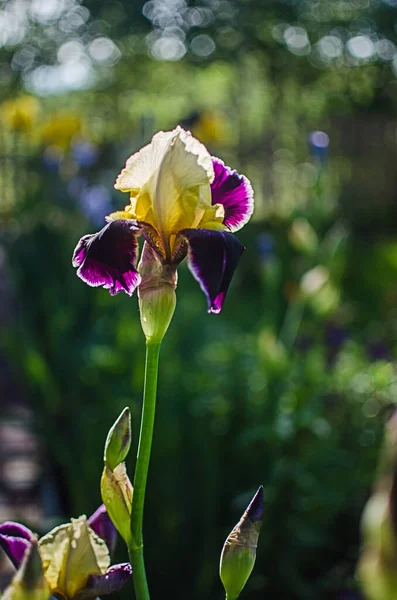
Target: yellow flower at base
{"x":20,"y":114}
{"x":71,"y":562}
{"x":70,"y":553}
{"x":60,"y":129}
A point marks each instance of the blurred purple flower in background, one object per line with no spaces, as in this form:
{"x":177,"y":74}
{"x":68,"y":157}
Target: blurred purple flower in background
{"x":76,"y":185}
{"x":334,"y":337}
{"x":84,"y":153}
{"x":95,"y":202}
{"x":52,"y":158}
{"x":378,"y":350}
{"x":266,"y":246}
{"x":319,"y":145}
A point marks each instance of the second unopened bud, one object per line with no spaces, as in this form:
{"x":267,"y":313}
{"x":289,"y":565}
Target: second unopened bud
{"x":118,"y":441}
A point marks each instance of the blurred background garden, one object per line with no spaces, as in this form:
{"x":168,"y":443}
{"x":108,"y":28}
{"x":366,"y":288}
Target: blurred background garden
{"x":290,"y":386}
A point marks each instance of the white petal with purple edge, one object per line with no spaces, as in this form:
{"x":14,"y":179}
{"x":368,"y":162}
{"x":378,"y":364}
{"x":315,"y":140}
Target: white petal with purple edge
{"x":234,"y":192}
{"x":108,"y":258}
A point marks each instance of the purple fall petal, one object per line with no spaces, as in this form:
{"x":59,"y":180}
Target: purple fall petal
{"x":213,"y":257}
{"x":234,"y":192}
{"x":16,"y":530}
{"x":15,"y":540}
{"x":101,"y":523}
{"x":108,"y":258}
{"x":109,"y":583}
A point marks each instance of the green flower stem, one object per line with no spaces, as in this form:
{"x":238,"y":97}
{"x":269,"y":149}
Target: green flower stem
{"x":142,"y":465}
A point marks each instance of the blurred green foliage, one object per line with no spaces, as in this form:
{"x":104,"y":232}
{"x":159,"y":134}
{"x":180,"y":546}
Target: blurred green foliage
{"x":290,"y":386}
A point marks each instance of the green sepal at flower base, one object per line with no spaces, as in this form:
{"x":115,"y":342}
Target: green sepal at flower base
{"x":29,"y":582}
{"x":156,"y":294}
{"x":116,"y":487}
{"x":239,"y":551}
{"x":118,"y":441}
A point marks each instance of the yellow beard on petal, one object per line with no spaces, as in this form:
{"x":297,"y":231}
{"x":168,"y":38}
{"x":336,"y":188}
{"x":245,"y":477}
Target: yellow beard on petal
{"x":119,"y":214}
{"x":183,"y":211}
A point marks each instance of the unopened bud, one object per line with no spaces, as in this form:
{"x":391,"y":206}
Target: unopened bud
{"x":29,"y":582}
{"x":118,"y":441}
{"x":156,"y":293}
{"x":377,"y":567}
{"x":116,"y":490}
{"x":239,"y":551}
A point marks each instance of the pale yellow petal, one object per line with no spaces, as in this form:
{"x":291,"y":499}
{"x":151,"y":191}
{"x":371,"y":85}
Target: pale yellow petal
{"x":176,"y":187}
{"x":188,"y":160}
{"x":169,"y":183}
{"x":70,"y":554}
{"x":141,"y":165}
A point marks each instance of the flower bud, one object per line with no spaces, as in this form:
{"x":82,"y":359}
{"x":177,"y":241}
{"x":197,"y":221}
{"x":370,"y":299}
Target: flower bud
{"x":156,"y":293}
{"x":239,"y":551}
{"x":116,"y":490}
{"x":118,"y":441}
{"x":29,"y":582}
{"x":377,"y":568}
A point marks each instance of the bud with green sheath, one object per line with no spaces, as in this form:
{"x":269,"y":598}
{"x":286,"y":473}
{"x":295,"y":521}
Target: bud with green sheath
{"x":116,"y":488}
{"x":239,"y":551}
{"x":29,"y":582}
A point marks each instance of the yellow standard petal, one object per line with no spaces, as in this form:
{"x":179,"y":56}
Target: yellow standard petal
{"x":70,"y":554}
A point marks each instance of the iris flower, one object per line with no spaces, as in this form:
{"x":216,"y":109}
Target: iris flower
{"x":75,"y":556}
{"x":184,"y":203}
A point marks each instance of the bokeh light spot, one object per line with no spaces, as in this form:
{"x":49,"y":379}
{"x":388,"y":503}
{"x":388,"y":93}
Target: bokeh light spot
{"x":202,"y":45}
{"x":361,"y":47}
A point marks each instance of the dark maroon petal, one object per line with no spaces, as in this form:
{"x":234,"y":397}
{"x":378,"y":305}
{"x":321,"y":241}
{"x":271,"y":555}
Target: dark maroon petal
{"x":108,"y":258}
{"x":234,"y":192}
{"x":101,"y":523}
{"x":15,"y":540}
{"x":213,"y":257}
{"x":255,"y":508}
{"x":109,"y":583}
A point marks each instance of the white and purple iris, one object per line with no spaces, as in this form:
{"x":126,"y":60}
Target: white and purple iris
{"x":184,"y":203}
{"x":75,"y":557}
